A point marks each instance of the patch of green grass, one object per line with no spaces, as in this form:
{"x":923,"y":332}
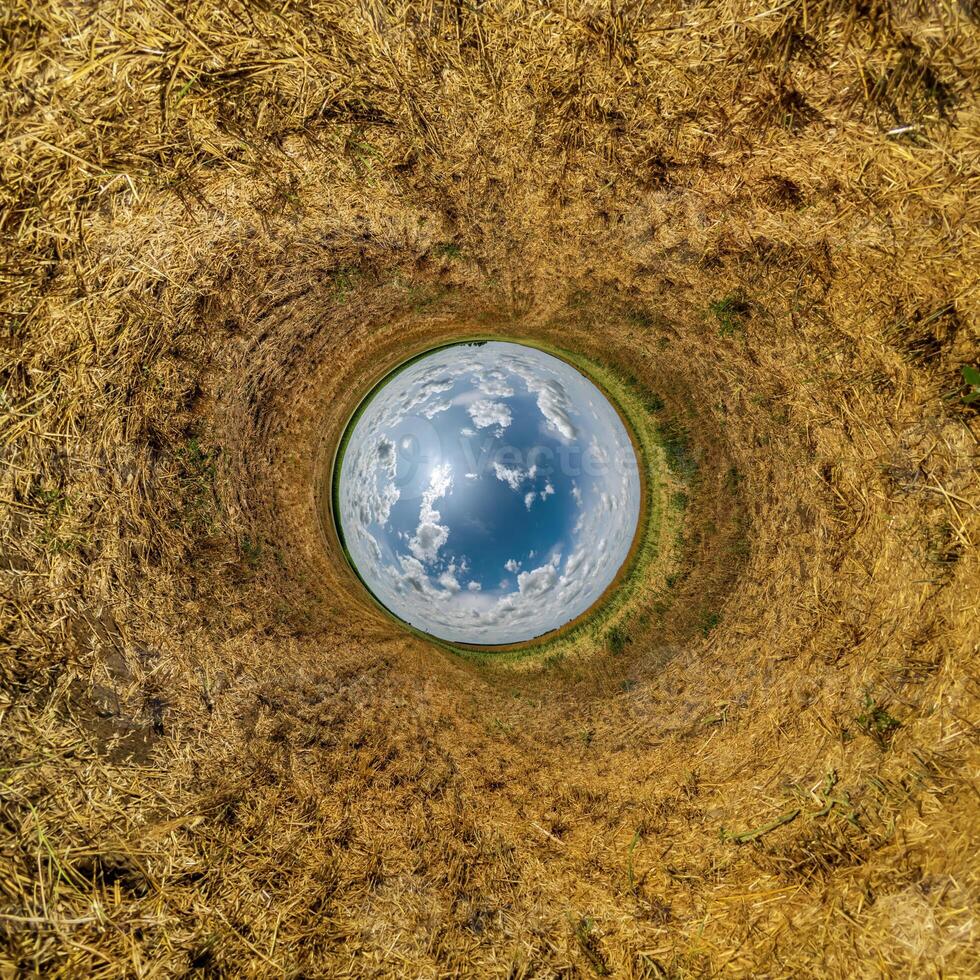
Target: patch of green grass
{"x":197,"y":475}
{"x":62,"y":532}
{"x":423,"y":295}
{"x":58,"y":543}
{"x":877,"y":722}
{"x":730,"y":312}
{"x":53,"y":501}
{"x":970,"y":392}
{"x":589,"y":943}
{"x":501,"y":726}
{"x":677,"y":449}
{"x":640,"y":318}
{"x":650,"y":400}
{"x":198,"y":462}
{"x":446,"y":250}
{"x":617,"y":639}
{"x":251,"y":552}
{"x":719,"y":719}
{"x":362,"y":150}
{"x":740,"y":547}
{"x":708,"y":621}
{"x":343,"y":280}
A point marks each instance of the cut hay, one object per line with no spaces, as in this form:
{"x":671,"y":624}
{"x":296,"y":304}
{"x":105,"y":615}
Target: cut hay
{"x":220,"y":221}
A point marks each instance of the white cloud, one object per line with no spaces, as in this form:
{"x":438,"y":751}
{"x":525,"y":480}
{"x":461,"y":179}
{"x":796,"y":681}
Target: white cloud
{"x":430,"y":535}
{"x":413,"y":575}
{"x":577,"y":494}
{"x":449,"y":581}
{"x":372,"y":543}
{"x":385,"y":451}
{"x":474,"y":586}
{"x":555,"y":407}
{"x":492,"y":381}
{"x":512,"y":476}
{"x":553,"y":399}
{"x":374,"y":502}
{"x":485,"y":413}
{"x":511,"y":565}
{"x":533,"y":495}
{"x":426,"y":385}
{"x":538,"y":581}
{"x":574,"y":562}
{"x":435,"y":408}
{"x":600,"y":455}
{"x":470,"y":476}
{"x":429,"y":538}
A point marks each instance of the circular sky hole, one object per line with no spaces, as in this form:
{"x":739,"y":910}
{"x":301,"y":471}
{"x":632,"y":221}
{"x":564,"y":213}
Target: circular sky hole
{"x":487,"y":493}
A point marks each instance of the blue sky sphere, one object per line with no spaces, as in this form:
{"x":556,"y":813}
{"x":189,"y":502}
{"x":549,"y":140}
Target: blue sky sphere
{"x":488,"y":493}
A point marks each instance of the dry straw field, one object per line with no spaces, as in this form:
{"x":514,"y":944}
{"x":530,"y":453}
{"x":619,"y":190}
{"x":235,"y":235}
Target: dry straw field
{"x":220,"y":222}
